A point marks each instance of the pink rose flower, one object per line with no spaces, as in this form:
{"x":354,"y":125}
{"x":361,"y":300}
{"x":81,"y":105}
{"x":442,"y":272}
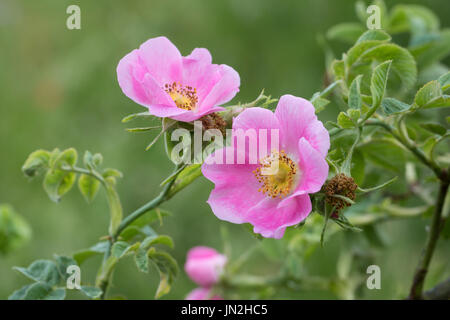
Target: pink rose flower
{"x":202,"y":294}
{"x":243,"y":193}
{"x":204,"y":265}
{"x":170,"y":85}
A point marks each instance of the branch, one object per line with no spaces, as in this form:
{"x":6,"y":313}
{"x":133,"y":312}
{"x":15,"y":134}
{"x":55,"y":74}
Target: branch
{"x":433,"y":236}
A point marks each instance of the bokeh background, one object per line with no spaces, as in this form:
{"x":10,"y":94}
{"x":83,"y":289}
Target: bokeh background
{"x":58,"y":88}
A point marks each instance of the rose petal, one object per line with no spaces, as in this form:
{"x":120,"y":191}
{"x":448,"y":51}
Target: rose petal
{"x":271,"y":219}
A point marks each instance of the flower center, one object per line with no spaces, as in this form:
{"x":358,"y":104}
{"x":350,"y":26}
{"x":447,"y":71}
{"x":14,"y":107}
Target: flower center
{"x":276,"y":174}
{"x":185,"y":97}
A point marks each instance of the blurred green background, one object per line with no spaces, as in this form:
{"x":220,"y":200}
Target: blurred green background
{"x":58,"y":88}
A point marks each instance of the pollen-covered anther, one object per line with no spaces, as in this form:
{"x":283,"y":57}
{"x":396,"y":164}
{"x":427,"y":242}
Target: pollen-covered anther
{"x":276,"y":174}
{"x":185,"y":97}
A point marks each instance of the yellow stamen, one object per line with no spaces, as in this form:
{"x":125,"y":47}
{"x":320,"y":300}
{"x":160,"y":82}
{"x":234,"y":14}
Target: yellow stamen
{"x":276,"y":174}
{"x":185,"y":97}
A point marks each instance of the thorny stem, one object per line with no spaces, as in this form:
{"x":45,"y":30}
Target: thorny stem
{"x":439,"y":216}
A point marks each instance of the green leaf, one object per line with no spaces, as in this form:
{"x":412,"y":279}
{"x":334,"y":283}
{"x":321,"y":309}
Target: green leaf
{"x":411,"y":17}
{"x":345,"y":32}
{"x":369,"y":35}
{"x":375,"y":236}
{"x":320,"y":103}
{"x":435,"y":128}
{"x":97,"y":249}
{"x":36,"y":161}
{"x":403,"y":63}
{"x":378,"y":83}
{"x":152,"y":240}
{"x":392,"y":106}
{"x":358,"y":167}
{"x":344,"y":121}
{"x":119,"y":249}
{"x":150,"y":216}
{"x":92,"y":292}
{"x":438,"y":102}
{"x":355,"y":52}
{"x":360,"y":9}
{"x":97,"y":159}
{"x":14,"y":230}
{"x":343,"y":222}
{"x":68,"y":156}
{"x":141,"y":260}
{"x":140,"y":115}
{"x":62,"y":263}
{"x":384,"y":154}
{"x":338,"y":68}
{"x":433,"y":50}
{"x":185,"y":178}
{"x":142,"y":129}
{"x":115,"y":207}
{"x":20,"y":293}
{"x":444,"y":81}
{"x":354,"y":114}
{"x":354,"y":96}
{"x":57,"y":182}
{"x":109,"y":172}
{"x":88,"y":186}
{"x":43,"y":291}
{"x":428,"y":92}
{"x":130,"y":232}
{"x":44,"y":271}
{"x":53,"y":156}
{"x":167,"y":123}
{"x":87,"y":160}
{"x":168,"y":270}
{"x":377,"y":187}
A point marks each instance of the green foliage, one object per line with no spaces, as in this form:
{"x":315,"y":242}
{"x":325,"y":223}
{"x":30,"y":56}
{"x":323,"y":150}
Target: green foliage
{"x":49,"y":281}
{"x":378,"y":83}
{"x":379,"y":129}
{"x":393,"y":106}
{"x":168,"y":270}
{"x":14,"y":230}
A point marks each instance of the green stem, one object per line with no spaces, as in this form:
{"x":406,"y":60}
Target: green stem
{"x":91,"y":173}
{"x":152,"y":204}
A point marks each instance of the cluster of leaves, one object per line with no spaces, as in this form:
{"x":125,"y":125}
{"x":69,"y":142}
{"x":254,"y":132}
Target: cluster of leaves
{"x":385,"y":137}
{"x":49,"y":281}
{"x":137,"y":238}
{"x":14,"y":230}
{"x":370,"y":82}
{"x":60,"y":174}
